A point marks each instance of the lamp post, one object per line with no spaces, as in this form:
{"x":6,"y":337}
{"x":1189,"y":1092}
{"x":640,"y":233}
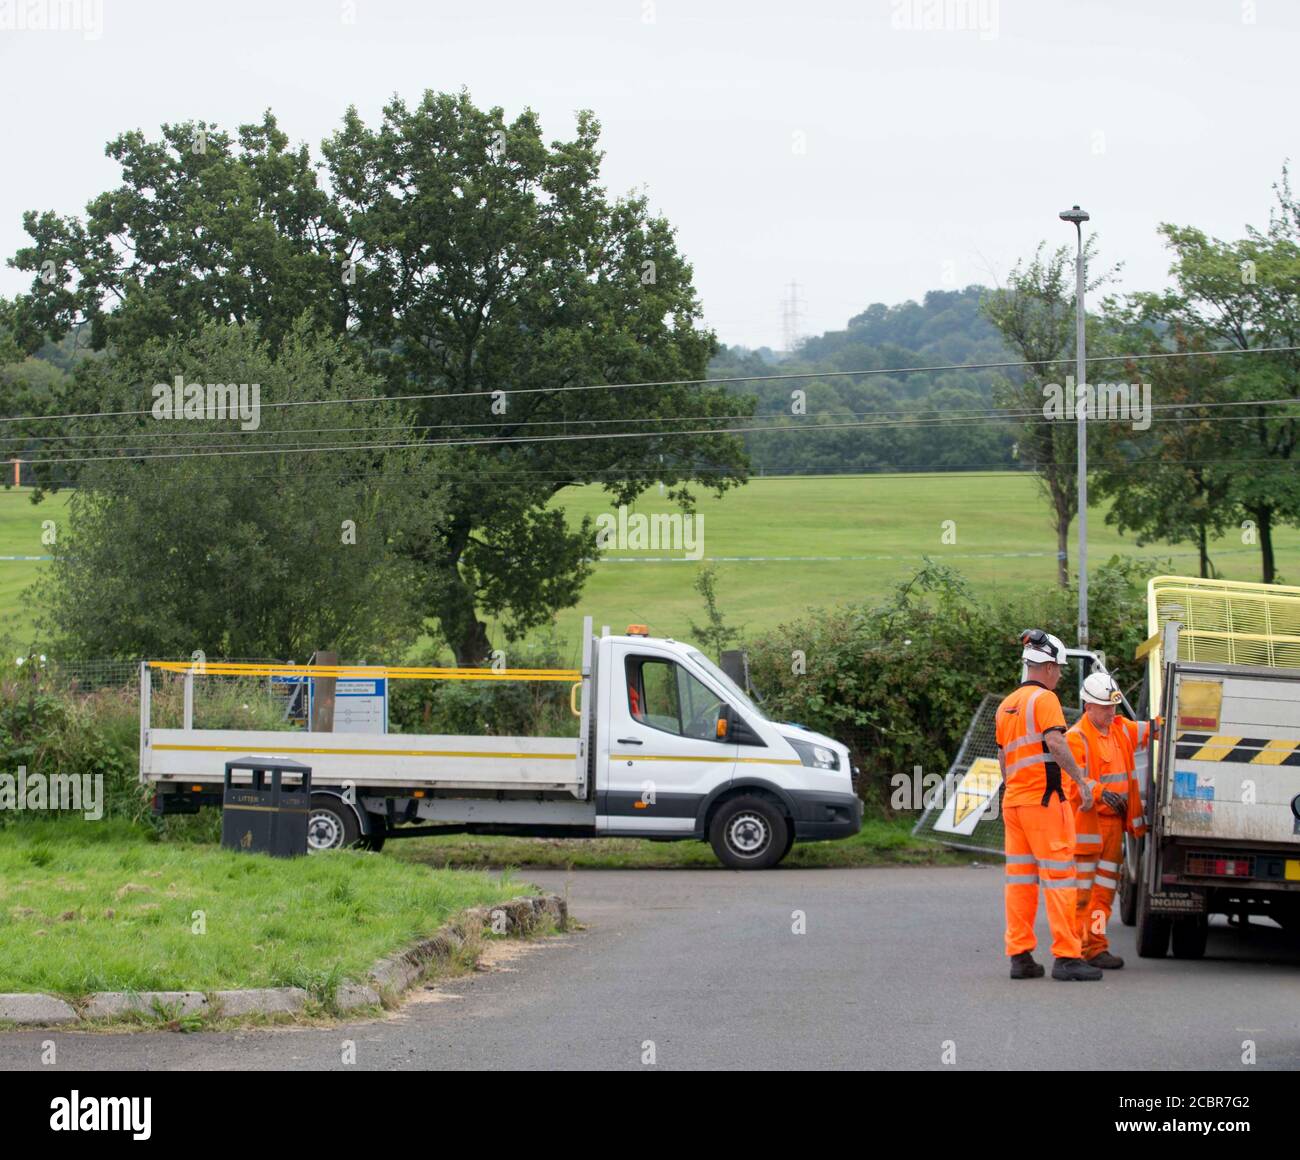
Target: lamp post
{"x":1078,"y":217}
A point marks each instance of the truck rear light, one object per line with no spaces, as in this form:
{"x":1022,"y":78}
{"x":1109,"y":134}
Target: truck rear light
{"x":1217,"y":866}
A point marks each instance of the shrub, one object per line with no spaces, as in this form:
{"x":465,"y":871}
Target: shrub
{"x":898,"y":682}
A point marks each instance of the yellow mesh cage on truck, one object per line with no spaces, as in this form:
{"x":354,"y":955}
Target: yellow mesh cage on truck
{"x":1223,"y":621}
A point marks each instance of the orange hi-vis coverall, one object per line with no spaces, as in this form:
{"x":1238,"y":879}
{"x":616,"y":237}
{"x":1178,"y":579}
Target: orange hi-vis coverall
{"x":1107,"y":758}
{"x":1038,"y":822}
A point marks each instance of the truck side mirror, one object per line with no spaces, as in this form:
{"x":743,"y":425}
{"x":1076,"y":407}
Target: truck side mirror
{"x":734,"y":728}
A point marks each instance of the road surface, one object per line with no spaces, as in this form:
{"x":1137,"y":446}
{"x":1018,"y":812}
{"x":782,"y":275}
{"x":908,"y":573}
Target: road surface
{"x":894,"y":968}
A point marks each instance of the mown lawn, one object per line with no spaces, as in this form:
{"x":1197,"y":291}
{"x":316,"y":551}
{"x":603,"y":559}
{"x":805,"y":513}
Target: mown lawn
{"x":782,"y":545}
{"x":879,"y":843}
{"x":100,"y":907}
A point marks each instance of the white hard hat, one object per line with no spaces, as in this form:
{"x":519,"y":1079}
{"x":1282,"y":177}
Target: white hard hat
{"x":1041,"y":647}
{"x":1100,"y":689}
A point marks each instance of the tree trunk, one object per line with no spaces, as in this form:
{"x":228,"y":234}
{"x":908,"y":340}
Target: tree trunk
{"x":1264,"y":522}
{"x":472,"y":647}
{"x":1202,"y":548}
{"x":466,"y":634}
{"x":1062,"y":546}
{"x":457,"y":608}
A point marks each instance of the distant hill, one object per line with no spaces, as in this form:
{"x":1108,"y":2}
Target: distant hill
{"x":925,"y":410}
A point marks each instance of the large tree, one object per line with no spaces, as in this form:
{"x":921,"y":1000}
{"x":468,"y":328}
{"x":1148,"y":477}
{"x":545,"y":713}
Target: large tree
{"x":476,"y":267}
{"x":1245,"y":295}
{"x":1173,"y":481}
{"x":190,"y":534}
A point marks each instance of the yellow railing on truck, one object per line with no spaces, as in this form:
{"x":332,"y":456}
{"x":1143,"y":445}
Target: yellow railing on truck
{"x":1232,"y":622}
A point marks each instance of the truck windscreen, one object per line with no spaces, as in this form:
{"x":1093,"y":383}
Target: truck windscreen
{"x":729,"y":686}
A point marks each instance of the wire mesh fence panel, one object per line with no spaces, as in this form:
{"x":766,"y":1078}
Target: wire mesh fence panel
{"x":963,"y":812}
{"x":90,"y":675}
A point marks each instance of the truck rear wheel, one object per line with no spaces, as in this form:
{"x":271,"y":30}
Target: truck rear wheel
{"x":749,"y":833}
{"x":331,"y":825}
{"x":1152,"y":929}
{"x":1189,"y":936}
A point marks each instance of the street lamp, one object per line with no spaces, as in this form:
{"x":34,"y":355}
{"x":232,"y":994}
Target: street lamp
{"x":1078,"y":217}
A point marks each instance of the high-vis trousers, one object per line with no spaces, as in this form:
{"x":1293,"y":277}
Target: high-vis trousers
{"x":1040,"y":852}
{"x":1099,"y":846}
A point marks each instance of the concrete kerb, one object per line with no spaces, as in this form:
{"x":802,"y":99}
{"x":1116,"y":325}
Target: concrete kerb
{"x":516,"y":916}
{"x":388,"y":979}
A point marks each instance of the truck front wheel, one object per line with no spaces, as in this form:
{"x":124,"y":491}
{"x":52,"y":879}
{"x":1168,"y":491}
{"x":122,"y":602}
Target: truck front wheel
{"x":749,"y":833}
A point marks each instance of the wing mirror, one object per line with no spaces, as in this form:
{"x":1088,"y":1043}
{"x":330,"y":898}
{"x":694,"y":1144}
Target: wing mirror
{"x":736,"y":729}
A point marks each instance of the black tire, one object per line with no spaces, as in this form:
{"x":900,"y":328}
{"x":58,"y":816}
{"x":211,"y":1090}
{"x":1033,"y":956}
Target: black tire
{"x":1128,"y":894}
{"x":1189,"y":935}
{"x":749,"y":833}
{"x":331,"y":825}
{"x":1152,"y":929}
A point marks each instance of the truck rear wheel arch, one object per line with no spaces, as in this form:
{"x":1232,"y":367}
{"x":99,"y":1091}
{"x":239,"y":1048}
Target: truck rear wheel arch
{"x":340,"y":817}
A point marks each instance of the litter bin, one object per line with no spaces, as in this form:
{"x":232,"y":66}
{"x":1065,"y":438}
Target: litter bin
{"x":263,"y":818}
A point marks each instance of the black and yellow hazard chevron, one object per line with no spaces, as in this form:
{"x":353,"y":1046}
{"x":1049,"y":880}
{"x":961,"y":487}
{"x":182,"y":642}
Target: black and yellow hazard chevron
{"x":1252,"y":750}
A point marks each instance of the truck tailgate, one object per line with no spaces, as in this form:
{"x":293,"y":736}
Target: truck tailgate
{"x":1235,"y":766}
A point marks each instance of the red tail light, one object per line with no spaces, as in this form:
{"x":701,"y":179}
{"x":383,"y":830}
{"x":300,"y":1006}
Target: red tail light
{"x":1215,"y":866}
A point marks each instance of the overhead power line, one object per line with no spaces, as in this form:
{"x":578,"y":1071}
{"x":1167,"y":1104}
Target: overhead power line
{"x":484,"y":394}
{"x":506,"y":440}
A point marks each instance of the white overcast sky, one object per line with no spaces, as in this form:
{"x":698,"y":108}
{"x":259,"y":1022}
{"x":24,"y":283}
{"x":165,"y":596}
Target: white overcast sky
{"x":931,"y":157}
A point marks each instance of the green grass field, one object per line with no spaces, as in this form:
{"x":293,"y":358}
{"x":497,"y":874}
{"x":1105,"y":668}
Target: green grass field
{"x":101,"y":908}
{"x":782,"y":545}
{"x":20,"y":535}
{"x":852,"y":538}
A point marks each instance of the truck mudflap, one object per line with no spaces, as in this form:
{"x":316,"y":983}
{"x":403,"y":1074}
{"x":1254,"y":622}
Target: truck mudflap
{"x":1177,"y":903}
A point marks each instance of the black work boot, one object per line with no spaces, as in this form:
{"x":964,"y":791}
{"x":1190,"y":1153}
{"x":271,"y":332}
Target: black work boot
{"x":1024,"y":967}
{"x":1074,"y":970}
{"x":1106,"y":961}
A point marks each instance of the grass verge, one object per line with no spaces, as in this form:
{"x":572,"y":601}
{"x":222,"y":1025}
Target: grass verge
{"x":102,"y":907}
{"x":880,"y":842}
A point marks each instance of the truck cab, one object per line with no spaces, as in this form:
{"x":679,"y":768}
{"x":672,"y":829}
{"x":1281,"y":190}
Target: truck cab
{"x":684,"y":752}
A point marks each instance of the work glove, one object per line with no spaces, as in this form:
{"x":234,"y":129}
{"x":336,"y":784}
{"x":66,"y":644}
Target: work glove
{"x":1117,"y":801}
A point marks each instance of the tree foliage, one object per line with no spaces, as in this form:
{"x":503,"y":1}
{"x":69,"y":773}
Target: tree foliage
{"x":240,"y":554}
{"x":472,"y":265}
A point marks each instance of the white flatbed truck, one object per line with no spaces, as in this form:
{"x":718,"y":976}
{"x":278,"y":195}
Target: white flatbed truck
{"x":1222,"y":793}
{"x":668,"y":747}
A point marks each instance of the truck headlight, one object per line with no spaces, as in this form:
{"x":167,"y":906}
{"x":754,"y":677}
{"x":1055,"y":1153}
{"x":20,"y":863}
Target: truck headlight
{"x":817,"y":756}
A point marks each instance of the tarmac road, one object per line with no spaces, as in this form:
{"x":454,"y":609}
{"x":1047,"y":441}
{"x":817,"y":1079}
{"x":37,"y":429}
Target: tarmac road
{"x":895,"y":968}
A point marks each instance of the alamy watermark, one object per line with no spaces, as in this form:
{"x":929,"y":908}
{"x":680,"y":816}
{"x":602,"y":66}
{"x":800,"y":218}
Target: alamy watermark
{"x":84,"y":16}
{"x":57,"y":791}
{"x":179,"y":400}
{"x":1130,"y":402}
{"x":946,"y":16}
{"x":662,"y":531}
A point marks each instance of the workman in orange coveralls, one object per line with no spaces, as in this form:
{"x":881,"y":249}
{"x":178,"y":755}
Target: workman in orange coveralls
{"x":1038,"y":820}
{"x":1105,"y":746}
